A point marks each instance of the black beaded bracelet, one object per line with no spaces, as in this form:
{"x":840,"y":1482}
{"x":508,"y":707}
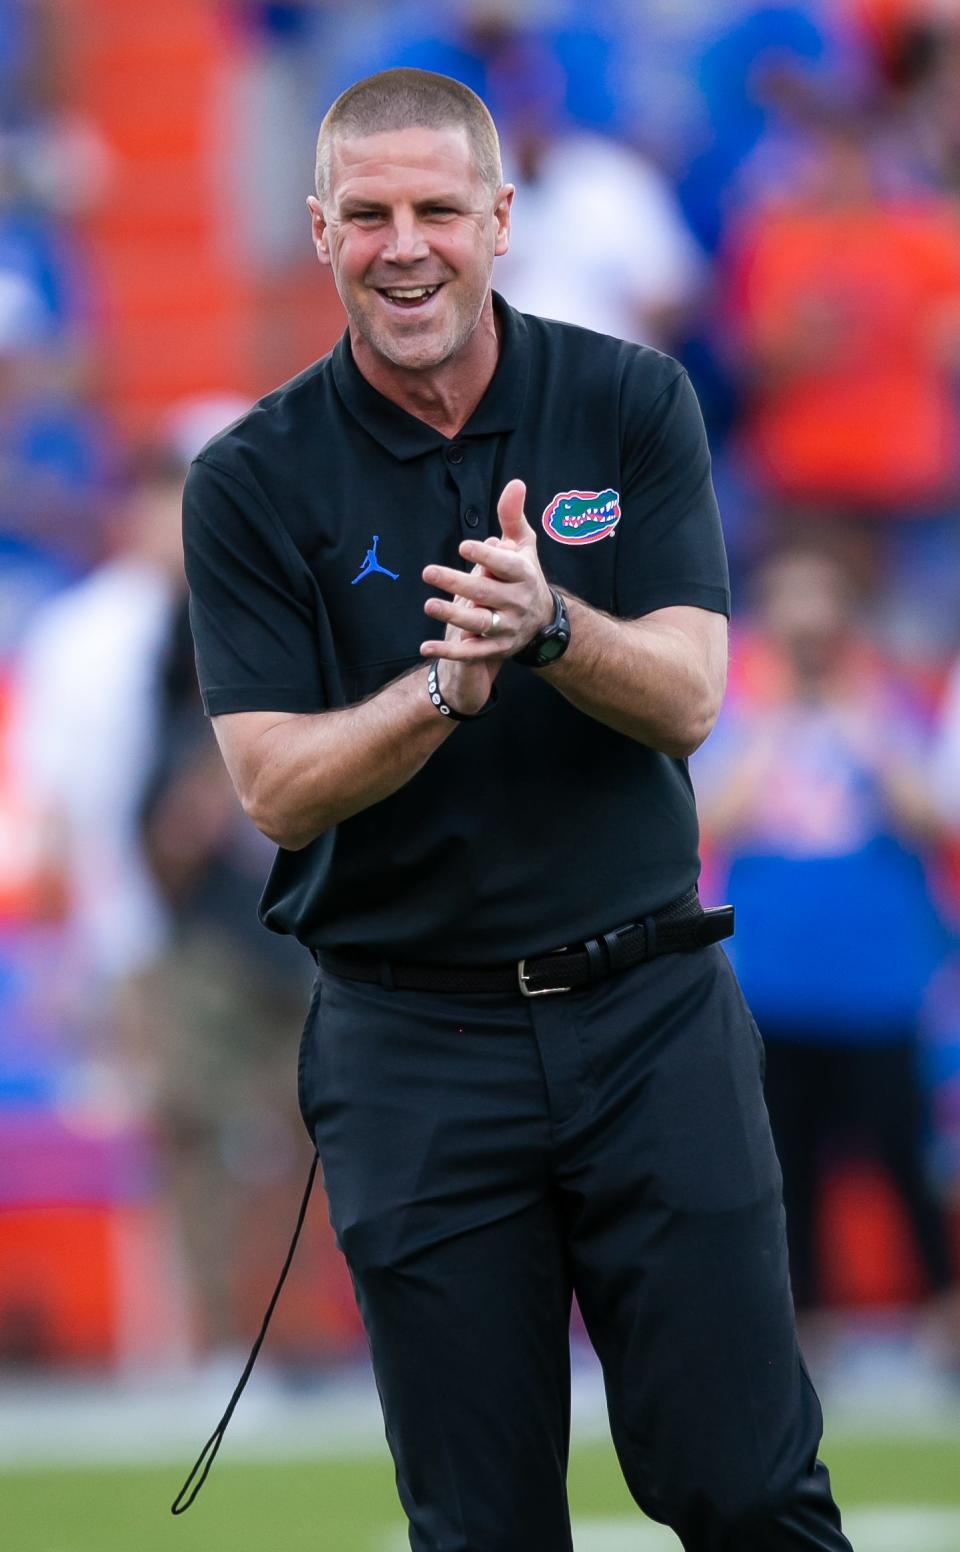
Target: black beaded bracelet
{"x":433,"y":690}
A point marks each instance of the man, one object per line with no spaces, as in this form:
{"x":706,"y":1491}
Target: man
{"x":814,"y":788}
{"x":500,"y":1124}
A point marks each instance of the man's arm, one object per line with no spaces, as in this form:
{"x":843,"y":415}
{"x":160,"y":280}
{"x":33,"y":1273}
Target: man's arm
{"x":297,"y":775}
{"x":658,"y":679}
{"x":296,"y":770}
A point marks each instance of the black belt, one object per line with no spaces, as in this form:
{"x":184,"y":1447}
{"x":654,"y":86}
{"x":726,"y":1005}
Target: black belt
{"x":679,"y":927}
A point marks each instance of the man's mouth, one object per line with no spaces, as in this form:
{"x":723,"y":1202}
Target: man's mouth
{"x":408,"y":298}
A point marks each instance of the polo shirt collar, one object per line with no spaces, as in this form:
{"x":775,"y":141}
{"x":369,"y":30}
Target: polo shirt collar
{"x":402,"y":434}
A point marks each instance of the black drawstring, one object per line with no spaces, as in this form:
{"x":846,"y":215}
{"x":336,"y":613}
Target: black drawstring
{"x":205,"y":1459}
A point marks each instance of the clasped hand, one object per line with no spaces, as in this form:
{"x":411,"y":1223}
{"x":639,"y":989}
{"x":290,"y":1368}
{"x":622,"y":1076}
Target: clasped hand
{"x":506,"y":579}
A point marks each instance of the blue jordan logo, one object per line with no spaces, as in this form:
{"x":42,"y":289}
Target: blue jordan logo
{"x":371,"y":564}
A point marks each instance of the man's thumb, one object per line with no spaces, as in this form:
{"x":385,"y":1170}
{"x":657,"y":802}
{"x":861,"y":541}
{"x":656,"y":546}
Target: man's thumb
{"x":513,"y":523}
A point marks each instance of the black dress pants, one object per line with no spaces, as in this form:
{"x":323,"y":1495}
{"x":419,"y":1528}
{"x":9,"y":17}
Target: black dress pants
{"x":486,"y":1156}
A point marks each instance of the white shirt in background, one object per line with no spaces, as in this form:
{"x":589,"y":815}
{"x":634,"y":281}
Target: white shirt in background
{"x":599,"y":240}
{"x":83,"y":746}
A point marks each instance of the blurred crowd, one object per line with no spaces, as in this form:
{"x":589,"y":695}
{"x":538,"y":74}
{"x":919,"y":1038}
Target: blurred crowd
{"x":770,"y":192}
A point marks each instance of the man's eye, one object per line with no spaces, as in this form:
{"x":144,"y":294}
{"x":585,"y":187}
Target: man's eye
{"x":366,"y":217}
{"x":440,"y":210}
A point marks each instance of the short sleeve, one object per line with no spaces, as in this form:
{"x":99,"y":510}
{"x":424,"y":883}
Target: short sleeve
{"x":670,"y":540}
{"x":252,"y":600}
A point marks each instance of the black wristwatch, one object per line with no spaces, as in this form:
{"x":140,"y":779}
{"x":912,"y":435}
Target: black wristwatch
{"x":551,"y":642}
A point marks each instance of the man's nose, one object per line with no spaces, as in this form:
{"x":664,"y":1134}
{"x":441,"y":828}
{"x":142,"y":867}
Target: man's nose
{"x":406,"y":243}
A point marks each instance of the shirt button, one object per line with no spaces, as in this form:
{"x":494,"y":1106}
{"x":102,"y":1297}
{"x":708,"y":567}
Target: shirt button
{"x":455,"y":453}
{"x":471,"y":517}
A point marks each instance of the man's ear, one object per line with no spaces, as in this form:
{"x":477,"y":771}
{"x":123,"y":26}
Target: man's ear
{"x":318,"y":226}
{"x":501,"y":210}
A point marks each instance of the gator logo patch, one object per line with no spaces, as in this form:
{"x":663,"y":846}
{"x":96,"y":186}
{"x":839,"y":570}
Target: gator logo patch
{"x":582,"y":516}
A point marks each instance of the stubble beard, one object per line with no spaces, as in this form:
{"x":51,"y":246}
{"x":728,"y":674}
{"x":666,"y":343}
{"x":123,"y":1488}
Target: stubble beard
{"x":415,"y":352}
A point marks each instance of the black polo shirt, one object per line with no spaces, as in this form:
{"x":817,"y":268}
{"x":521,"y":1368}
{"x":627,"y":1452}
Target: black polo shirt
{"x":306,"y":527}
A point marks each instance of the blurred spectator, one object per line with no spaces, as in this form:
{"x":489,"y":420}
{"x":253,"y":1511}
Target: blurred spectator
{"x":85,"y":728}
{"x":630,"y":266}
{"x":947,"y":760}
{"x":918,"y":43}
{"x":54,"y":457}
{"x":943,"y":1033}
{"x":270,"y":111}
{"x":812,"y":787}
{"x":54,"y":163}
{"x":847,"y":308}
{"x":53,"y":449}
{"x":743,"y":51}
{"x":488,"y":45}
{"x":214,"y":1023}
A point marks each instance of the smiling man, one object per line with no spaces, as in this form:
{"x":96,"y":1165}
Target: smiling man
{"x":404,"y":216}
{"x":527,"y":1067}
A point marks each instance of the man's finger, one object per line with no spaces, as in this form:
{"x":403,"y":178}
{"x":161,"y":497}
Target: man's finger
{"x":466,"y":649}
{"x":466,"y":584}
{"x":497,"y":559}
{"x":513,"y":523}
{"x":465,"y":616}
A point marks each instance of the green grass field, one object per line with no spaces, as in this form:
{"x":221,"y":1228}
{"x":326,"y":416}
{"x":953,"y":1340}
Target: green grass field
{"x":349,"y":1505}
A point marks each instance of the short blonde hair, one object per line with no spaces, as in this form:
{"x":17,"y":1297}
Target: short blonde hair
{"x":408,"y":99}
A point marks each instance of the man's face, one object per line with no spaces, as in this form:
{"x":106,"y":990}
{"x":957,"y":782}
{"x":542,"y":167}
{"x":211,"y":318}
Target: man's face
{"x":807,"y":607}
{"x":410,"y":232}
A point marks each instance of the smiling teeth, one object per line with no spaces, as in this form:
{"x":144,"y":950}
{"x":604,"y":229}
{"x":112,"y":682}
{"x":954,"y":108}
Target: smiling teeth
{"x":413,"y":294}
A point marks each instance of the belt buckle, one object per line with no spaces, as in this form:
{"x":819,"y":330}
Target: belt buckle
{"x":545,"y":991}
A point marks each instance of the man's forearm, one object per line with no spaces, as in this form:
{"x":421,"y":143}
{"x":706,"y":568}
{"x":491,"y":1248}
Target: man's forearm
{"x":645,"y":677}
{"x":311,"y":772}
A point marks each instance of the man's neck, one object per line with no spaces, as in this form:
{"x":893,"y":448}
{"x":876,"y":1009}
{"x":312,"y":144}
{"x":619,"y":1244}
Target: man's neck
{"x":446,"y":397}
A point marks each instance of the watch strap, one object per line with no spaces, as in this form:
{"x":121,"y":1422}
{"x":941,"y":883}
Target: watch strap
{"x":558,"y":629}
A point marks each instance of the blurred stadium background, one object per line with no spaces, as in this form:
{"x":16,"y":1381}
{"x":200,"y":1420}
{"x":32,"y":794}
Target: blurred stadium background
{"x":770,"y":192}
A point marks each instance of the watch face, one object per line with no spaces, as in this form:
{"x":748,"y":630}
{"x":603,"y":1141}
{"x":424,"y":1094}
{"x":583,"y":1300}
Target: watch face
{"x":552,"y":648}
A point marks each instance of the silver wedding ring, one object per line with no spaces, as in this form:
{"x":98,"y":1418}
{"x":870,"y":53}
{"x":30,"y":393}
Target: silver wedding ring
{"x":494,"y":627}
